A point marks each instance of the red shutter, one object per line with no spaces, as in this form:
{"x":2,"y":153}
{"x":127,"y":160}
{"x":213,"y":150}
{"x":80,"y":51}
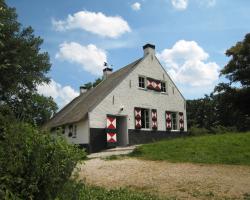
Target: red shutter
{"x":181,"y":121}
{"x":150,"y":84}
{"x":154,"y":119}
{"x":137,"y":118}
{"x":158,"y":85}
{"x":111,"y":130}
{"x":168,"y":120}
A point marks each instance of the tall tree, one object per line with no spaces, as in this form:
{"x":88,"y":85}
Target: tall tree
{"x":238,"y":68}
{"x":22,"y":64}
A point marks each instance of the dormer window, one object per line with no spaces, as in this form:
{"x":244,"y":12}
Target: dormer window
{"x":141,"y":82}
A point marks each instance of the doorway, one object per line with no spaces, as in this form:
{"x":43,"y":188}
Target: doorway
{"x":122,"y":131}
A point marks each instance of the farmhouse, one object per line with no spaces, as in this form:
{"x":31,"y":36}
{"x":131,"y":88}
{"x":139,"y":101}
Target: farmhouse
{"x":138,"y":103}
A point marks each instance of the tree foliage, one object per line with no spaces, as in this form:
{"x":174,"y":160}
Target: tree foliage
{"x":90,"y":85}
{"x":238,"y":68}
{"x":22,"y":67}
{"x":228,"y":105}
{"x":34,"y":165}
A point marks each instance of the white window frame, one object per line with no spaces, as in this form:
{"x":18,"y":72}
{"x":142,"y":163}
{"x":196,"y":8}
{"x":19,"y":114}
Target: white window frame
{"x":141,"y":82}
{"x":165,"y":87}
{"x":145,"y":122}
{"x":176,"y":121}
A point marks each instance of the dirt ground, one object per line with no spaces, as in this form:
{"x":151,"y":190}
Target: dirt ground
{"x":174,"y":180}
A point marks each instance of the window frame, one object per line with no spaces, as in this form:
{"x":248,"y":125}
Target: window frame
{"x":145,"y":119}
{"x":74,"y":134}
{"x":140,"y":82}
{"x":174,"y":128}
{"x":165,"y":86}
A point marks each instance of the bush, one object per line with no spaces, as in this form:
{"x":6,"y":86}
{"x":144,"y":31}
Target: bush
{"x":34,"y":165}
{"x":222,"y":129}
{"x":194,"y":130}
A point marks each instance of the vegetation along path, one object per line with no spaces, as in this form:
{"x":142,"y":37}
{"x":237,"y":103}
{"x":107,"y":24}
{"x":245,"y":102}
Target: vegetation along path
{"x":176,"y":180}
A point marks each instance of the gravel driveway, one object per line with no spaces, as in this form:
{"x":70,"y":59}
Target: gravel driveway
{"x":177,"y":180}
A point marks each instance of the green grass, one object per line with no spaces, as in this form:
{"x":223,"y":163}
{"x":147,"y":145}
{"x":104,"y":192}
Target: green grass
{"x":97,"y":193}
{"x":231,"y":148}
{"x":77,"y":190}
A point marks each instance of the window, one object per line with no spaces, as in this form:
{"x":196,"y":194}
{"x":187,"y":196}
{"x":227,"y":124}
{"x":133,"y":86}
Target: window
{"x":174,"y":121}
{"x":70,"y":130}
{"x":63,"y":129}
{"x":173,"y":89}
{"x":74,"y":132}
{"x":163,"y":86}
{"x":141,"y":82}
{"x":144,"y":118}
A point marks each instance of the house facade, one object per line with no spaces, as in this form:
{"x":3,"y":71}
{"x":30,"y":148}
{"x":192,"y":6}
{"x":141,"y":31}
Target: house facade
{"x":137,"y":104}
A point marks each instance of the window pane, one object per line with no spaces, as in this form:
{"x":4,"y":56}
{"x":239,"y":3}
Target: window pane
{"x":163,"y":86}
{"x":174,"y":121}
{"x":141,"y":82}
{"x":145,"y":118}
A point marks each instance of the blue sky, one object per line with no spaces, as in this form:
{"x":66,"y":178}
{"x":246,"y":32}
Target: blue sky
{"x":190,"y":38}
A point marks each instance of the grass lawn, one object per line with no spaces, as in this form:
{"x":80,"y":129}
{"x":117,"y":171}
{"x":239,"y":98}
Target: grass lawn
{"x":98,"y":193}
{"x":231,"y":148}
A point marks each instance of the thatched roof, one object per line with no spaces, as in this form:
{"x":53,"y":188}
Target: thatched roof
{"x":78,"y":108}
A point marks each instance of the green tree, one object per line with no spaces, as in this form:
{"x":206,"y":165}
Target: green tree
{"x":34,"y":164}
{"x":22,"y":67}
{"x":238,"y":68}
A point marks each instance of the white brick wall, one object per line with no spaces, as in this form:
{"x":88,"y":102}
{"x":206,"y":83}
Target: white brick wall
{"x":82,"y":136}
{"x":131,"y":97}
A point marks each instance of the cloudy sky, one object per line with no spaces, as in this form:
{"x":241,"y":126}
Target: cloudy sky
{"x":191,"y":37}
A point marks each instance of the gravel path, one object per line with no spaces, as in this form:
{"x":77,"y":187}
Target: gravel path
{"x":177,"y":180}
{"x":114,"y":151}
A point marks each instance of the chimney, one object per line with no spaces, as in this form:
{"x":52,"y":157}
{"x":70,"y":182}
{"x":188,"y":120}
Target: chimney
{"x":106,"y":71}
{"x":149,"y":49}
{"x":83,"y":89}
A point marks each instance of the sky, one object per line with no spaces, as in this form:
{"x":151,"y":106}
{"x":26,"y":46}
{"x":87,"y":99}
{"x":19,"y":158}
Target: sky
{"x":191,"y":37}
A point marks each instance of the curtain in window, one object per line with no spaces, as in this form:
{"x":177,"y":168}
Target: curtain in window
{"x":137,"y":118}
{"x":181,"y":121}
{"x":168,"y":120}
{"x":154,"y":119}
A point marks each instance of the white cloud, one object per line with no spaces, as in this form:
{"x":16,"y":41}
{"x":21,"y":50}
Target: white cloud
{"x":211,"y":3}
{"x":89,"y":57}
{"x":180,"y":4}
{"x":186,"y":64}
{"x":97,"y":23}
{"x":136,"y":6}
{"x":62,"y":95}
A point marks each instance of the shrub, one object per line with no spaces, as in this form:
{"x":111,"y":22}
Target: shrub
{"x":34,"y":165}
{"x":194,"y":130}
{"x":222,"y":129}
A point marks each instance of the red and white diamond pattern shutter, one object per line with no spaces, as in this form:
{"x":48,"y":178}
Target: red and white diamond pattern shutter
{"x":181,"y":121}
{"x":153,"y":84}
{"x":158,"y":85}
{"x":168,"y":120}
{"x":154,"y":119}
{"x":111,"y":122}
{"x":111,"y":129}
{"x":150,"y":84}
{"x":111,"y":137}
{"x":137,"y":118}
